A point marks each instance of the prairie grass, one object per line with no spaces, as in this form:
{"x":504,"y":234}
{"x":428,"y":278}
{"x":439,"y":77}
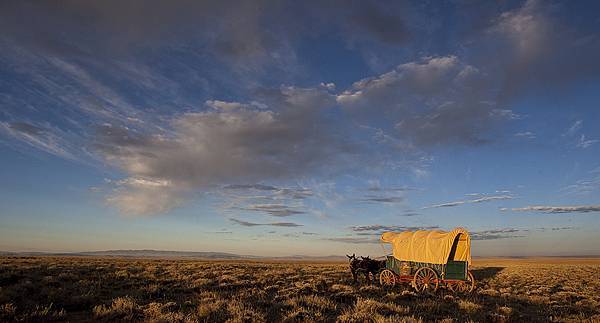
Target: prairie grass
{"x":106,"y":289}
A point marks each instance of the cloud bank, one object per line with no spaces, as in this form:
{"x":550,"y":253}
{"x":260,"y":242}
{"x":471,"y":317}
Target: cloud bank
{"x":196,"y":96}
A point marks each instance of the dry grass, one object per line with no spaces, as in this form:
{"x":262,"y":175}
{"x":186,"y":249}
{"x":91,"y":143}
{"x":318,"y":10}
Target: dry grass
{"x":167,"y":290}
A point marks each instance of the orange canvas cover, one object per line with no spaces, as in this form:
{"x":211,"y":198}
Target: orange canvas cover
{"x":432,"y":246}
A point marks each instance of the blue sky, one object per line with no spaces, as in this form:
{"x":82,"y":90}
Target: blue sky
{"x":281,"y":128}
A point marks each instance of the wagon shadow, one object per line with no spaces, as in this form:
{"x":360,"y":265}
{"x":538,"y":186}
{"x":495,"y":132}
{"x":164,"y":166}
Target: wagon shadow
{"x":486,"y":272}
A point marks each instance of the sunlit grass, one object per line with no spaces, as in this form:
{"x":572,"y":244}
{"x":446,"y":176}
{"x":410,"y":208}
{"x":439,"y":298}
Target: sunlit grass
{"x":167,"y":290}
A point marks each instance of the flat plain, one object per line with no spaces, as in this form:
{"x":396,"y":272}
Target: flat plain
{"x":190,"y":290}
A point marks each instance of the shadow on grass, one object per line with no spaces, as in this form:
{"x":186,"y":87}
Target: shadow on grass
{"x":486,"y":273}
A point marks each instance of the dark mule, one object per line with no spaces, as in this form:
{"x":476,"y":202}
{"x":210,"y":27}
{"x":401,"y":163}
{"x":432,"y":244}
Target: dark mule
{"x":366,"y":266}
{"x":372,"y":266}
{"x":356,"y":267}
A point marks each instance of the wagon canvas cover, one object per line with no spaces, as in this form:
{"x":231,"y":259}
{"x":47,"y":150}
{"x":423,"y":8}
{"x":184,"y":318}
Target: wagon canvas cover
{"x":430,"y":246}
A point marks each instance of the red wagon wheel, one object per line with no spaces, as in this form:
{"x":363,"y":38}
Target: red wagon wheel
{"x":465,"y":286}
{"x":387,"y":278}
{"x":426,"y":279}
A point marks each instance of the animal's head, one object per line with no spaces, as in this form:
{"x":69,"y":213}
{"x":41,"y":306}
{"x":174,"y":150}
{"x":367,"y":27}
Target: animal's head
{"x":350,"y":258}
{"x":365,"y":258}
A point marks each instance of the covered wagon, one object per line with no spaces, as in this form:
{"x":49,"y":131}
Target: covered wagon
{"x":428,"y":260}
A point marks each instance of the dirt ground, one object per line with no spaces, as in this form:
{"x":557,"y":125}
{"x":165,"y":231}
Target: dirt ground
{"x":187,"y":290}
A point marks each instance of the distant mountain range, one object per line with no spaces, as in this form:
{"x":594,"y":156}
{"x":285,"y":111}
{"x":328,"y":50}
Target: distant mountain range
{"x":149,"y":253}
{"x":164,"y":254}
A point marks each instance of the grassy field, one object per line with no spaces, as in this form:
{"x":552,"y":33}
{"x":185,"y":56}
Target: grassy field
{"x":180,"y":290}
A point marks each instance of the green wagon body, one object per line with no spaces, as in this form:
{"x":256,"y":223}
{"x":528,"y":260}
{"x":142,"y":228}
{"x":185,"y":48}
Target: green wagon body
{"x":453,"y":270}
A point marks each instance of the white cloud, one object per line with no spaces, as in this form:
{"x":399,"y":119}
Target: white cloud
{"x":232,"y":142}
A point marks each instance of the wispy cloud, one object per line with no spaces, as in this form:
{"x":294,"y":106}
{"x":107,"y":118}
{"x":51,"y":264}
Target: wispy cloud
{"x":573,"y":129}
{"x":556,"y":209}
{"x":409,"y":213}
{"x":274,"y":224}
{"x":259,"y":187}
{"x":582,"y":141}
{"x":279,"y":210}
{"x":299,"y":234}
{"x":496,"y":234}
{"x":472,"y":201}
{"x":51,"y":140}
{"x":375,"y":186}
{"x":384,"y":199}
{"x":585,"y":143}
{"x":557,"y":228}
{"x":584,"y":186}
{"x":220,"y":232}
{"x":381,"y":228}
{"x":525,"y":135}
{"x":354,"y":240}
{"x":267,"y":199}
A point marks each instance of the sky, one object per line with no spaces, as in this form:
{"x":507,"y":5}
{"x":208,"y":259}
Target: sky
{"x":279,"y":128}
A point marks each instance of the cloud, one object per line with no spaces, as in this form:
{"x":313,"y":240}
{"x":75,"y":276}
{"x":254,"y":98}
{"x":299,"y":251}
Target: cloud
{"x":525,"y":135}
{"x":279,"y":210}
{"x":224,"y":145}
{"x":384,"y":199}
{"x":135,"y":94}
{"x":432,"y":101}
{"x":584,"y":186}
{"x":585,"y":143}
{"x":274,"y":224}
{"x":491,"y":198}
{"x":270,"y":200}
{"x":26,"y":128}
{"x":133,"y":198}
{"x":409,"y":213}
{"x":496,"y":234}
{"x":298,"y":234}
{"x":241,"y":41}
{"x":375,"y":186}
{"x":259,"y":187}
{"x":377,"y":228}
{"x":449,"y":204}
{"x":582,"y":141}
{"x":557,"y":209}
{"x":477,"y":200}
{"x":574,"y":128}
{"x":354,"y":240}
{"x":557,"y":228}
{"x":541,"y":49}
{"x":379,"y":22}
{"x":390,"y":189}
{"x":298,"y":193}
{"x":51,"y":140}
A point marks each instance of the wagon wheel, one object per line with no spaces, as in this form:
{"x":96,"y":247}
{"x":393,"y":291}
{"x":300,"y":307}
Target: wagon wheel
{"x":465,"y":286}
{"x":387,"y":278}
{"x":426,"y":279}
